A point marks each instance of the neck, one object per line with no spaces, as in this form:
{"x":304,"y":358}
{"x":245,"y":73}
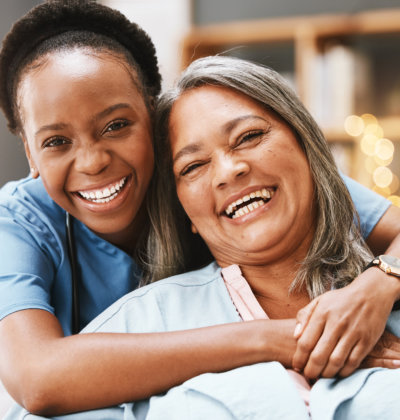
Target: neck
{"x":271,"y":283}
{"x":128,"y":238}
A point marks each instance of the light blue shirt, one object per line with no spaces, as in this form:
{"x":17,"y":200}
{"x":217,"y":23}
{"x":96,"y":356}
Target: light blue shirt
{"x":257,"y":392}
{"x":34,"y":266}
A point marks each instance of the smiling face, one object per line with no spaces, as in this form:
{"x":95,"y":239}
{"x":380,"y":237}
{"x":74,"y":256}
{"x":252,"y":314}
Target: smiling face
{"x":241,"y":177}
{"x":87,"y":132}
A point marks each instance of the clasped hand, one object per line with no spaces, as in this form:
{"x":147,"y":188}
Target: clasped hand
{"x":344,"y":329}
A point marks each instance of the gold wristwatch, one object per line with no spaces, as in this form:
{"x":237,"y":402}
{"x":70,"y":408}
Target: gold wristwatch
{"x":387,"y":263}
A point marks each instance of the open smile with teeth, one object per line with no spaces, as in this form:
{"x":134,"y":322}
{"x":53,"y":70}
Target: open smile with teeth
{"x":104,"y":195}
{"x":249,"y":203}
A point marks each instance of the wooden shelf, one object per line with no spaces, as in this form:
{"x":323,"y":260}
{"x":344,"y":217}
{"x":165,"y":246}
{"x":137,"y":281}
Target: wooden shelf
{"x":307,"y":34}
{"x":311,"y":39}
{"x":208,"y":38}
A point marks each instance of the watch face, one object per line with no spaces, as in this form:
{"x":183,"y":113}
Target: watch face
{"x":388,"y":259}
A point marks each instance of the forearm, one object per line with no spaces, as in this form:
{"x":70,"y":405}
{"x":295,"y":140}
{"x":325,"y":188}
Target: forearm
{"x":67,"y":374}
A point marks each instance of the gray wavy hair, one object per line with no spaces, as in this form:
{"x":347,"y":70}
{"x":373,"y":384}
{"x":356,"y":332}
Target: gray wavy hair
{"x":337,"y":253}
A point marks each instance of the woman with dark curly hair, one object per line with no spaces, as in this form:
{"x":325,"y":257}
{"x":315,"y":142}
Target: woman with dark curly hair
{"x":78,"y":83}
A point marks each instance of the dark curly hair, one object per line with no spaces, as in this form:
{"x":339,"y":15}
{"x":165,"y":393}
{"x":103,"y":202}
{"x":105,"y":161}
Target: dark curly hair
{"x":59,"y":24}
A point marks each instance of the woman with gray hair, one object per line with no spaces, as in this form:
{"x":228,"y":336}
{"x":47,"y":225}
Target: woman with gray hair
{"x":337,"y":253}
{"x":241,"y":163}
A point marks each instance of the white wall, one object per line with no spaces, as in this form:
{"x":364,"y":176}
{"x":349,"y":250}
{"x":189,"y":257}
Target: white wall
{"x":166,"y":22}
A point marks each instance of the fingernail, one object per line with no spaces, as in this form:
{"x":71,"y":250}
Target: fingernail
{"x":396,"y":362}
{"x":297,"y":330}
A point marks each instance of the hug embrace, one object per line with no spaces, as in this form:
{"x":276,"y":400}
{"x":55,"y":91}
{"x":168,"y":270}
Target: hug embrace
{"x":223,"y":194}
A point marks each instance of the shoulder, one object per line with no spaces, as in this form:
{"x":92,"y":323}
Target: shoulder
{"x":26,"y":207}
{"x":26,"y":193}
{"x":173,"y":303}
{"x":370,"y":206}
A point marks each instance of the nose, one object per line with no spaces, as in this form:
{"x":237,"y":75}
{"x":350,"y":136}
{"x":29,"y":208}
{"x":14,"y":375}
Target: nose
{"x":228,"y":168}
{"x":92,"y":158}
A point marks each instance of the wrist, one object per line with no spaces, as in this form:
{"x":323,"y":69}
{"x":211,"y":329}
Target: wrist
{"x":380,"y":282}
{"x":280,"y":341}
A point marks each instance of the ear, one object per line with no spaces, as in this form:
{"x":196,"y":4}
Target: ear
{"x":194,"y":229}
{"x":34,"y":170}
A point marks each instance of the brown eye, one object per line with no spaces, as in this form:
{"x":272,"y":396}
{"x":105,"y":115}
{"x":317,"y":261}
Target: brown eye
{"x":190,"y":168}
{"x":55,"y":142}
{"x":116,"y":126}
{"x":250,"y":136}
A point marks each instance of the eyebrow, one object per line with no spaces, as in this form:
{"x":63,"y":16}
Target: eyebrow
{"x":230,"y":125}
{"x":99,"y":116}
{"x":226,"y":128}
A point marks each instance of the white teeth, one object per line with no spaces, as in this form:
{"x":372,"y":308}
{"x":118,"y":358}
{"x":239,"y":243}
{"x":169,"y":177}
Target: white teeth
{"x":232,"y":210}
{"x":105,"y":195}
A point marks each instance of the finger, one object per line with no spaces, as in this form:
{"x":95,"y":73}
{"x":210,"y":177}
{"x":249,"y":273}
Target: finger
{"x":385,"y":353}
{"x":303,"y":317}
{"x":339,"y":357}
{"x":323,"y":353}
{"x":307,"y":342}
{"x":358,"y":354}
{"x":370,"y":362}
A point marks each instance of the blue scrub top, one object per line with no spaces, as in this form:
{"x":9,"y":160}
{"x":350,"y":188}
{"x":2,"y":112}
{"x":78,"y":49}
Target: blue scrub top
{"x":34,"y":266}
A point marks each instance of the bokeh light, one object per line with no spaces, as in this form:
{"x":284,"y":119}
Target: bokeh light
{"x":395,"y":199}
{"x":375,"y":129}
{"x":384,"y":149}
{"x":382,"y":176}
{"x":381,"y":162}
{"x":369,"y":119}
{"x":395,"y":184}
{"x":379,"y":153}
{"x":382,"y":191}
{"x":370,"y":164}
{"x":368,"y":143}
{"x":354,"y":125}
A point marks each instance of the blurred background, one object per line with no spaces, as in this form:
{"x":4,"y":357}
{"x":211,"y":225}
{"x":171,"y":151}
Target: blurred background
{"x":342,"y":58}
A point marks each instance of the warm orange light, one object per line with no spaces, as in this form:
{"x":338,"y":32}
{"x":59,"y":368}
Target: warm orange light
{"x":369,"y":119}
{"x":370,"y":164}
{"x":382,"y":176}
{"x":354,"y":125}
{"x":375,"y":129}
{"x":395,"y":184}
{"x":395,"y":199}
{"x":382,"y":191}
{"x":368,"y":143}
{"x":384,"y":149}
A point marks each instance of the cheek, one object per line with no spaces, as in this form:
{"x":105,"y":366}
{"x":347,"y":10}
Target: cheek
{"x":193,"y":198}
{"x":141,"y":155}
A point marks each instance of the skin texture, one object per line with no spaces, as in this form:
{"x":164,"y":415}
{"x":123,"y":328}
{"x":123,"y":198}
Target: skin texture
{"x":244,"y":148}
{"x":212,"y":164}
{"x":86,"y":127}
{"x":91,"y":150}
{"x":340,"y":328}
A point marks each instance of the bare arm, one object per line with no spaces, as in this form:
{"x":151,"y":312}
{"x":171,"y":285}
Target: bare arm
{"x":342,"y":326}
{"x":68,"y":374}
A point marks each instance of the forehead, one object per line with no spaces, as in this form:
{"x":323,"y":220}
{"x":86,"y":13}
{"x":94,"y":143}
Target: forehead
{"x":78,"y":61}
{"x":61,"y":71}
{"x":208,"y":107}
{"x":75,"y":81}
